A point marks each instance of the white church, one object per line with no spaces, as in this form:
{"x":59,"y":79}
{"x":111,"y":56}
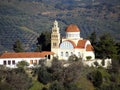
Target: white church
{"x":71,"y":44}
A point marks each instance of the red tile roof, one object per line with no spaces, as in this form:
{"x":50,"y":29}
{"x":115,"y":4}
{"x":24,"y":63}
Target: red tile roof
{"x":44,"y":53}
{"x":89,"y":48}
{"x":72,"y":28}
{"x":26,"y":54}
{"x":81,"y":44}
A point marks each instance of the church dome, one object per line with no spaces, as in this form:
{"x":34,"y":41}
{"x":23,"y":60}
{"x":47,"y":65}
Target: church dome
{"x":72,"y":28}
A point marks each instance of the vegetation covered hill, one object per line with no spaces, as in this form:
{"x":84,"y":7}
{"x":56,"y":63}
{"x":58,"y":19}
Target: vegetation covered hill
{"x":24,"y":20}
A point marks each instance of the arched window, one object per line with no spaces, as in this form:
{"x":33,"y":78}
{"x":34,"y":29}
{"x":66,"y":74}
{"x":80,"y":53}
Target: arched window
{"x":54,"y":44}
{"x":67,"y":54}
{"x":61,"y":53}
{"x":66,"y":45}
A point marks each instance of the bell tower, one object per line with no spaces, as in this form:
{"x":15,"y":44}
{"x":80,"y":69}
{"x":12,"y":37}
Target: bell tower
{"x":55,"y":38}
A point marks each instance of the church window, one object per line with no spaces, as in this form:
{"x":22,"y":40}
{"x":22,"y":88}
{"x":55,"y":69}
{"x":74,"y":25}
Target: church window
{"x":48,"y":56}
{"x":61,"y":53}
{"x":66,"y":45}
{"x":55,"y":30}
{"x":13,"y":62}
{"x":67,"y":54}
{"x":4,"y":62}
{"x":9,"y":62}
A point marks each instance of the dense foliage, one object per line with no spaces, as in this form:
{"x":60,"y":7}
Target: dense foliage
{"x":104,"y":46}
{"x":22,"y":64}
{"x":14,"y":79}
{"x":44,"y":41}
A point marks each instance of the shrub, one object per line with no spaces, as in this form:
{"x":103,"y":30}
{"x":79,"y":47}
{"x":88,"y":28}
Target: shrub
{"x":88,"y":57}
{"x":22,"y":64}
{"x":44,"y":76}
{"x":96,"y":78}
{"x":73,"y":58}
{"x":56,"y":86}
{"x":96,"y":63}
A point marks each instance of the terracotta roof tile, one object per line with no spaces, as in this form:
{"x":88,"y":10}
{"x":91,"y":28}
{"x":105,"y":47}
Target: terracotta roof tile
{"x":25,"y":54}
{"x":89,"y":48}
{"x":81,"y":44}
{"x":72,"y":28}
{"x":44,"y":53}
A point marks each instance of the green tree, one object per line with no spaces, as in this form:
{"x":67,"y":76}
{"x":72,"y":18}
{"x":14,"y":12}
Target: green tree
{"x":96,"y":78}
{"x":38,"y":48}
{"x":56,"y":86}
{"x":44,"y":41}
{"x":106,"y":47}
{"x":56,"y":69}
{"x":116,"y":61}
{"x":72,"y":86}
{"x":43,"y":75}
{"x":5,"y":86}
{"x":14,"y":79}
{"x":88,"y":57}
{"x":18,"y":80}
{"x":17,"y":46}
{"x":93,"y":38}
{"x":22,"y":64}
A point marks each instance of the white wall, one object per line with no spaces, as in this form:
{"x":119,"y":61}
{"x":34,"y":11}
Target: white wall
{"x":73,"y":35}
{"x":18,"y":60}
{"x":89,"y":53}
{"x":90,"y":63}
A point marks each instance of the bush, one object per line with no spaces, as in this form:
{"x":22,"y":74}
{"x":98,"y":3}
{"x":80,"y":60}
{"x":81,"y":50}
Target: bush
{"x":56,"y":86}
{"x":96,"y":78}
{"x":22,"y":64}
{"x":44,"y":76}
{"x":88,"y":57}
{"x":73,"y":58}
{"x":15,"y":79}
{"x":96,"y":63}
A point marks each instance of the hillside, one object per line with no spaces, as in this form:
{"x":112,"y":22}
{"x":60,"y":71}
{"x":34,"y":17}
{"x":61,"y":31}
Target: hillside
{"x":26,"y":19}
